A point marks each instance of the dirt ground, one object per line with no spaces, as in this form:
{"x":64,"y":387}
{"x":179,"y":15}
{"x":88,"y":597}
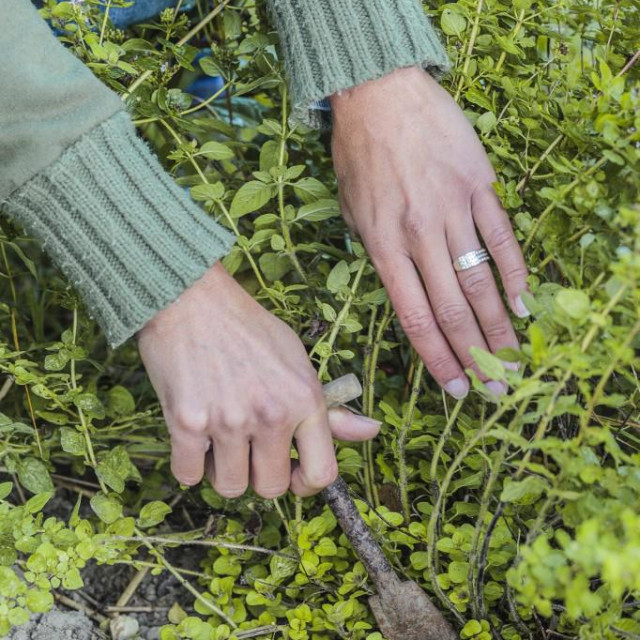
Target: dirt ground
{"x":103,"y":585}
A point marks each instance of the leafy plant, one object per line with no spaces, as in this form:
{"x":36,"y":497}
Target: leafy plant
{"x":522,"y":518}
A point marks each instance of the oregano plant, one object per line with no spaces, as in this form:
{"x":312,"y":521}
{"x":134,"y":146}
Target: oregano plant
{"x":520,"y":518}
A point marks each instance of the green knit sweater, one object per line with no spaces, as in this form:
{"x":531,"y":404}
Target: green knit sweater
{"x":74,"y":174}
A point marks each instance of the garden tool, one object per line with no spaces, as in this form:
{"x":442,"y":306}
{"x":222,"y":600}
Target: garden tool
{"x":402,"y":609}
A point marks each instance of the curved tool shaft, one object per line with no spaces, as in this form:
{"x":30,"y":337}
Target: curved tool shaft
{"x":402,"y":609}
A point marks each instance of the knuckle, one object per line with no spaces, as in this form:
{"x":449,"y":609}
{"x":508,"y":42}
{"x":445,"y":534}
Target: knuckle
{"x":413,"y":223}
{"x":452,"y":316}
{"x":417,"y":323}
{"x":501,"y":237}
{"x":497,"y":330}
{"x":380,"y":248}
{"x":274,"y":413}
{"x":442,"y":366}
{"x":235,"y":421}
{"x":477,"y":283}
{"x":518,"y":273}
{"x":191,"y":420}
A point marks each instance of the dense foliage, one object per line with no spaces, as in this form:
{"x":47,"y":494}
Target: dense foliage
{"x":522,"y":518}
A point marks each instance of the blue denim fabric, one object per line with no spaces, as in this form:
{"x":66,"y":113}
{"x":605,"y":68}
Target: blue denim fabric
{"x":141,"y":10}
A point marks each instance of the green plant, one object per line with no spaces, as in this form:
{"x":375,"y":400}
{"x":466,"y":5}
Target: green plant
{"x":521,"y":519}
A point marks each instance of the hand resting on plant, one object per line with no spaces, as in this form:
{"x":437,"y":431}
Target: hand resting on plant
{"x":415,"y":183}
{"x":231,"y":375}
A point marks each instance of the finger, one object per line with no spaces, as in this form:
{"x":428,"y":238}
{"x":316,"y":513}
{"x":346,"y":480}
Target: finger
{"x":479,"y":287}
{"x":231,"y":464}
{"x":318,"y":466}
{"x":411,"y":305}
{"x":187,"y":456}
{"x":495,"y":228}
{"x":451,"y":309}
{"x":348,"y":426}
{"x":271,"y":465}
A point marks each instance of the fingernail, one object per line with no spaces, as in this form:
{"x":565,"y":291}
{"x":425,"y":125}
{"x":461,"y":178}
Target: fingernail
{"x":370,"y":421}
{"x":521,"y":310}
{"x":458,"y":388}
{"x":513,"y":366}
{"x":496,"y":388}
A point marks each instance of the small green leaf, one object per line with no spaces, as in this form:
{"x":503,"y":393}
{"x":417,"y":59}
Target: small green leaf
{"x":419,"y":560}
{"x":204,"y":192}
{"x":452,"y":22}
{"x":339,"y":277}
{"x":152,"y":514}
{"x":250,"y":197}
{"x":176,"y":614}
{"x":56,"y":361}
{"x":5,"y":489}
{"x":34,"y":476}
{"x":458,"y":571}
{"x":90,"y":404}
{"x":486,"y":122}
{"x":215,"y":151}
{"x":491,"y":366}
{"x":37,"y":502}
{"x":115,"y":468}
{"x":573,"y":302}
{"x":274,"y":266}
{"x":525,"y":491}
{"x":18,"y":616}
{"x":310,"y":189}
{"x":326,"y":547}
{"x":72,"y":441}
{"x":270,"y":155}
{"x":120,"y":402}
{"x":108,"y":509}
{"x":39,"y":601}
{"x":72,"y":579}
{"x":318,"y":210}
{"x":210,"y":67}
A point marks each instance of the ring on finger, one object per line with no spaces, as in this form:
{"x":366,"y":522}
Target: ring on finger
{"x":471,"y":259}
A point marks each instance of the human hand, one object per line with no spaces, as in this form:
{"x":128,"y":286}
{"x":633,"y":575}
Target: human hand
{"x":230,"y":374}
{"x":413,"y":179}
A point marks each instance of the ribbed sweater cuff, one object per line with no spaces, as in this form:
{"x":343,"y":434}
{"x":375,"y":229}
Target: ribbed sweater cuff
{"x":330,"y":45}
{"x":118,"y":227}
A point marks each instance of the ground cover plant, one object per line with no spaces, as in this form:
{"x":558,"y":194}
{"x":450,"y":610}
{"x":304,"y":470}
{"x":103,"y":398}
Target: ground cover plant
{"x":521,"y":519}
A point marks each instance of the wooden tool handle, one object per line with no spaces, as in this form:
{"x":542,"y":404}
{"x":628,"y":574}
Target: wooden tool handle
{"x":336,"y":495}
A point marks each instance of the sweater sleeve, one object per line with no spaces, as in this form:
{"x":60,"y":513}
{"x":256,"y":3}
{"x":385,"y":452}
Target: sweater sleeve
{"x":74,"y":174}
{"x":330,"y":45}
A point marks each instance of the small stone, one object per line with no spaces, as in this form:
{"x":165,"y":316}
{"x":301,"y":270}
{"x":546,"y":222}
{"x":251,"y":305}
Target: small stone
{"x":123,"y":627}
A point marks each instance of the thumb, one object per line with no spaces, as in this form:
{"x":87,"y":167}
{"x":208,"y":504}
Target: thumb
{"x":346,"y":425}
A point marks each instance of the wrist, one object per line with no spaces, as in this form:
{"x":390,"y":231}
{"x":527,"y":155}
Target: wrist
{"x":391,"y":85}
{"x":215,"y":283}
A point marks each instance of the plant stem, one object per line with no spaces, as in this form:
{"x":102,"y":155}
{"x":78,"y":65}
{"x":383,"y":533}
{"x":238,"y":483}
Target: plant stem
{"x":403,"y":476}
{"x":469,"y":52}
{"x":85,"y":427}
{"x":16,"y":344}
{"x":225,"y":211}
{"x":335,"y":330}
{"x":284,"y":225}
{"x":185,"y":583}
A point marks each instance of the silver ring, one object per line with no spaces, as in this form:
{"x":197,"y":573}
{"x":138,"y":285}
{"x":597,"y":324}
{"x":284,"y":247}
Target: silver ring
{"x":471,"y":259}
